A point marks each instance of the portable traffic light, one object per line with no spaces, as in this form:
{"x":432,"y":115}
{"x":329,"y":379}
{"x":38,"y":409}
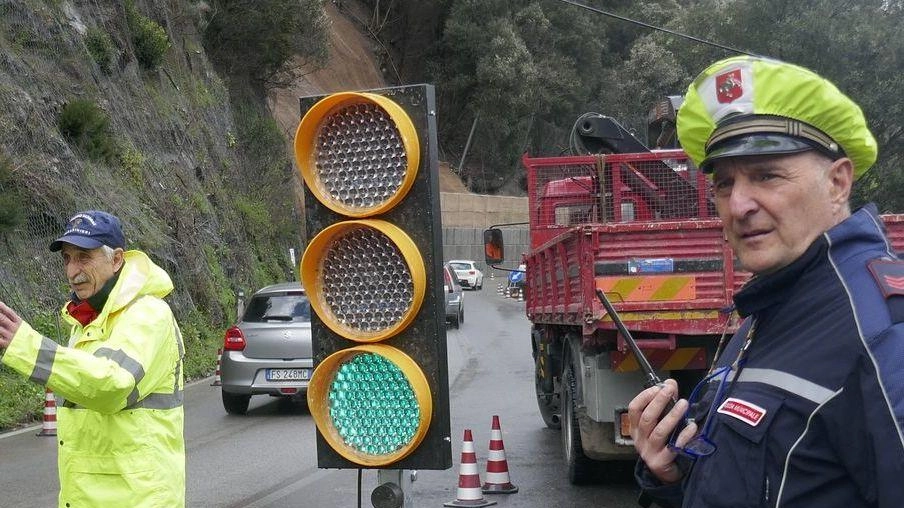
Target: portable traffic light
{"x":372,"y":271}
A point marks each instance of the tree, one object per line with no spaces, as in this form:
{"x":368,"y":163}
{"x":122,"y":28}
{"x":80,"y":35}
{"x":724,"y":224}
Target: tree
{"x":260,"y":39}
{"x":526,"y":70}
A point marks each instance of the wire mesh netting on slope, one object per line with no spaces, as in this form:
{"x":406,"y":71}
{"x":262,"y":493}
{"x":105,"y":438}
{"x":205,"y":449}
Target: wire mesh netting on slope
{"x":174,"y":170}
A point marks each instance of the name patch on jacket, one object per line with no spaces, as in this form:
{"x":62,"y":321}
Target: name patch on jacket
{"x":889,"y":275}
{"x":742,"y":410}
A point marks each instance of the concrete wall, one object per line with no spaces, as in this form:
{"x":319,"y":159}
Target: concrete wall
{"x":465,"y":216}
{"x":480,"y":211}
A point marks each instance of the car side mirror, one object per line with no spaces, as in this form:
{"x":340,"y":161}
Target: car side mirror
{"x":493,"y":246}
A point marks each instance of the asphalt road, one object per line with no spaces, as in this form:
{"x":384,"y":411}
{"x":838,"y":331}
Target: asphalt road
{"x":268,"y":458}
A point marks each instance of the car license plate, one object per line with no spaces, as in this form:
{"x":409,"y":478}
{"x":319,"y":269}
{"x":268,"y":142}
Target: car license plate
{"x":288,"y":374}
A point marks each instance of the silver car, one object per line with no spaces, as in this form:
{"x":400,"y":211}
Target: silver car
{"x":455,"y":309}
{"x":269,"y":350}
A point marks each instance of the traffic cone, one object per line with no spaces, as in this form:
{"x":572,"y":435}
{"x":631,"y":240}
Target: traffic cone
{"x":499,"y":289}
{"x":521,"y":295}
{"x":48,"y":427}
{"x":468,"y":493}
{"x":216,"y":377}
{"x":498,"y":481}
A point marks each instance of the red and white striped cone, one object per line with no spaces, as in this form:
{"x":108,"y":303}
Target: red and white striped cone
{"x":216,"y":377}
{"x":49,"y":426}
{"x":498,"y":481}
{"x":468,"y":493}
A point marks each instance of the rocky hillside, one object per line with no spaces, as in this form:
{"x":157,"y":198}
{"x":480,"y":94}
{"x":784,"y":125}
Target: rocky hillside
{"x":115,"y":106}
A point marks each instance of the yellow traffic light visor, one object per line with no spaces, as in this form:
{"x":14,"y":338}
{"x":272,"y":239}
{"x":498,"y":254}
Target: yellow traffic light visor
{"x":357,"y":152}
{"x":365,"y":279}
{"x":371,"y":403}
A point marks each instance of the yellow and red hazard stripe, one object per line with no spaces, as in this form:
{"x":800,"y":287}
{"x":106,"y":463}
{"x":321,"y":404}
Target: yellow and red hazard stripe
{"x":647,"y":288}
{"x":681,"y":358}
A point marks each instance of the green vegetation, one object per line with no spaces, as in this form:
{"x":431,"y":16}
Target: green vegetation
{"x":133,"y":162}
{"x":527,"y":70}
{"x":86,"y":126}
{"x":266,"y":40}
{"x":260,"y":139}
{"x":11,"y":199}
{"x":100,"y":47}
{"x":201,"y":342}
{"x":148,"y":37}
{"x":22,"y":402}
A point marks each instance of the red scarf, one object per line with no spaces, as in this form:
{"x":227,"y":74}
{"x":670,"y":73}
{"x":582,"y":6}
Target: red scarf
{"x":83,"y":312}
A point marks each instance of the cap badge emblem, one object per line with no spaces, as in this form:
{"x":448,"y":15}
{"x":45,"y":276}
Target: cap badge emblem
{"x":728,"y":86}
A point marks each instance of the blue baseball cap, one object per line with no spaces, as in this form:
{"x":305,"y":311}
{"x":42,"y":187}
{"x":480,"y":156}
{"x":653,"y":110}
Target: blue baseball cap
{"x":90,"y":230}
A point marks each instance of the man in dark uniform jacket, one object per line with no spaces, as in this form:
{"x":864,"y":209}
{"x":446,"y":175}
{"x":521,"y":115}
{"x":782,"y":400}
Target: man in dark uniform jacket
{"x":805,"y":405}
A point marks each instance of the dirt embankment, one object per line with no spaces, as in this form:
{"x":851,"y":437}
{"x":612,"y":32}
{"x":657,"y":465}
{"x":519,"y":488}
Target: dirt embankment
{"x":352,"y":66}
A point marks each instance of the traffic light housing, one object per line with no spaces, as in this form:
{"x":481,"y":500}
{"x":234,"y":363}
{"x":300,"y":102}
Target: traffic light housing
{"x":372,"y":270}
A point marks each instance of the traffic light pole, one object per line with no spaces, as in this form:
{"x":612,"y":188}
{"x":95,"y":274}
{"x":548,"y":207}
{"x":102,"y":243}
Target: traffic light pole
{"x":393,"y":489}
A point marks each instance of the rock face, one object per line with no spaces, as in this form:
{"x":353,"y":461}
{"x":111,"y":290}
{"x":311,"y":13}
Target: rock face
{"x":160,"y":147}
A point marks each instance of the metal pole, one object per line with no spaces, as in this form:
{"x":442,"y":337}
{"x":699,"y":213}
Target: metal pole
{"x":461,"y":163}
{"x":652,"y":378}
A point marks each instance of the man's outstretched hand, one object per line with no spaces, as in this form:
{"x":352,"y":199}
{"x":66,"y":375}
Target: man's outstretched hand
{"x":9,"y":324}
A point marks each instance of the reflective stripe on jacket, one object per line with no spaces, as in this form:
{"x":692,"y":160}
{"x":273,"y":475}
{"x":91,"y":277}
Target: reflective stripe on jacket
{"x":120,"y":381}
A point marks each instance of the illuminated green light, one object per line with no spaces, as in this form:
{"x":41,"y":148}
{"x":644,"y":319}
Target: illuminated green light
{"x":372,"y":405}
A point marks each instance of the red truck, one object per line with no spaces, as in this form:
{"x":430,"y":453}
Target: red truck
{"x":641,"y":227}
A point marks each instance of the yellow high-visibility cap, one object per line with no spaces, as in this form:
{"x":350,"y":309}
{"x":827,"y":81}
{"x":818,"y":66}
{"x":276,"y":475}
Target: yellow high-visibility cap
{"x":747,"y":105}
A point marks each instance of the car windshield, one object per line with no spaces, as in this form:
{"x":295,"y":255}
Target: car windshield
{"x":461,"y":266}
{"x":278,"y":307}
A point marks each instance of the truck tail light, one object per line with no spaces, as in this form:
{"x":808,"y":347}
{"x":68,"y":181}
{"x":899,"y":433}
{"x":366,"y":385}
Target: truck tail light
{"x":234,"y":340}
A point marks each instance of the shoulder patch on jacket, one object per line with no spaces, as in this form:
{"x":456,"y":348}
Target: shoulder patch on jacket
{"x":889,"y":275}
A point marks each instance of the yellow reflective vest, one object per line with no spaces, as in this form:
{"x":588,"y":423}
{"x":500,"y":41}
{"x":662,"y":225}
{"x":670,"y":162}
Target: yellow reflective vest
{"x":119,"y":388}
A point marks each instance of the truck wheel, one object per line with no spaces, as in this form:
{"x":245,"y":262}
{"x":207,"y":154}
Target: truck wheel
{"x":235,"y":403}
{"x":580,"y":468}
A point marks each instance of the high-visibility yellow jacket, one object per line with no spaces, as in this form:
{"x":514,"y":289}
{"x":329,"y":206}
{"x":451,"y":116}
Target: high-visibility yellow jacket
{"x":120,"y":420}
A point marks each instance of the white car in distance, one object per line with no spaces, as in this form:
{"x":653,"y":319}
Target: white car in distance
{"x":467,"y":273}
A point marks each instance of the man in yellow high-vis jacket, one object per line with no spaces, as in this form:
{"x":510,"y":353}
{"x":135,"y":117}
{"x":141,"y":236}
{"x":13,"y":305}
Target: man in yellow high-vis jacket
{"x":119,"y":382}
